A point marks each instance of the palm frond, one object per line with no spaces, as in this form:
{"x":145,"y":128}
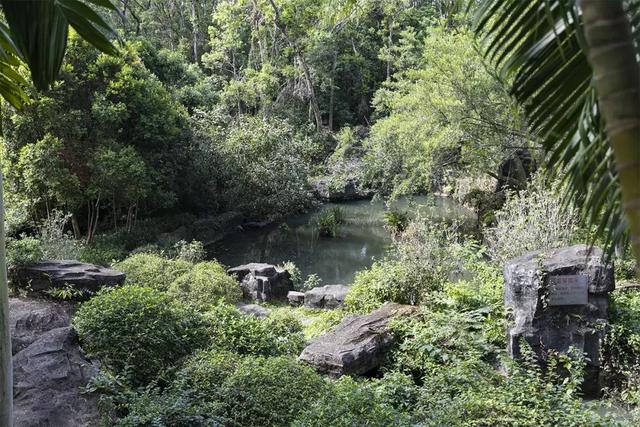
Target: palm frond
{"x":39,"y":31}
{"x":539,"y":49}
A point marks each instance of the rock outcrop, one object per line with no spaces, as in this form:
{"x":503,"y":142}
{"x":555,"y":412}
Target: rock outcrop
{"x":328,"y":296}
{"x":558,"y":299}
{"x":356,"y":346}
{"x":45,"y":275}
{"x":263,"y":282}
{"x":48,"y":368}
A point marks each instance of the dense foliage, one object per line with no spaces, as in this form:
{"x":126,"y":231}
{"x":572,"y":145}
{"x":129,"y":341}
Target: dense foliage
{"x":139,"y":331}
{"x":224,"y":115}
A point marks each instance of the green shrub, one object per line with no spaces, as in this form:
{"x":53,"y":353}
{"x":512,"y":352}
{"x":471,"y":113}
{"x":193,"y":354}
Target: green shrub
{"x":205,"y":371}
{"x":233,"y":331}
{"x":294,"y":272}
{"x":383,"y":282}
{"x":526,"y":397}
{"x":328,"y":221}
{"x":153,"y":271}
{"x":23,"y":251}
{"x":444,"y":338}
{"x":103,"y":250}
{"x":205,"y":285}
{"x":397,"y":221}
{"x":175,"y":407}
{"x":269,"y":391}
{"x":192,"y":399}
{"x":352,"y":404}
{"x":287,"y":331}
{"x":621,"y":347}
{"x":190,"y":251}
{"x":138,"y":331}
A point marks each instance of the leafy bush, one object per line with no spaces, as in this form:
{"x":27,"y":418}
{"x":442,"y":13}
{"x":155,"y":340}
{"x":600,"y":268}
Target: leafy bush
{"x":294,"y":273}
{"x":190,"y":251}
{"x":621,"y":347}
{"x":350,"y":403}
{"x":104,"y":250}
{"x":231,"y":330}
{"x":205,"y":285}
{"x":175,"y":407}
{"x":383,"y":282}
{"x":397,"y":221}
{"x":328,"y":221}
{"x":312,"y":281}
{"x":56,"y":243}
{"x":153,"y":271}
{"x":269,"y":391}
{"x":439,"y":338}
{"x":23,"y":251}
{"x":534,"y":219}
{"x":138,"y":331}
{"x":526,"y":397}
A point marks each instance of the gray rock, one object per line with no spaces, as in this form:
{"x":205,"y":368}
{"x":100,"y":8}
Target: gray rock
{"x":54,"y":274}
{"x":357,"y":345}
{"x":328,"y":296}
{"x":295,"y":298}
{"x":263,"y":282}
{"x":534,"y":317}
{"x":29,"y":318}
{"x":49,"y":370}
{"x":254,"y":310}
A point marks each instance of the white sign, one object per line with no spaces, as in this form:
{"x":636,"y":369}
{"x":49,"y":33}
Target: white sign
{"x":568,"y":290}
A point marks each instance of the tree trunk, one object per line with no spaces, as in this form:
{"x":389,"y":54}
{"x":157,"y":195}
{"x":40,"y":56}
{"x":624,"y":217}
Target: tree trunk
{"x":305,"y":67}
{"x":6,"y":367}
{"x":616,"y":77}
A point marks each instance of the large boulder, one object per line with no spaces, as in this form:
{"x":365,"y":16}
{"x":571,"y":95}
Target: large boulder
{"x":558,"y":299}
{"x":262,"y":282}
{"x":328,"y":296}
{"x":45,"y":275}
{"x":356,"y":346}
{"x":49,"y":370}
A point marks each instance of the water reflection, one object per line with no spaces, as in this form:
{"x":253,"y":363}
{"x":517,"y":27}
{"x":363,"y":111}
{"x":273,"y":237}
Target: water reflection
{"x":359,"y":242}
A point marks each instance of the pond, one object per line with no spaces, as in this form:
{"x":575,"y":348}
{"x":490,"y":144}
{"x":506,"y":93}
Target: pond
{"x":359,"y":242}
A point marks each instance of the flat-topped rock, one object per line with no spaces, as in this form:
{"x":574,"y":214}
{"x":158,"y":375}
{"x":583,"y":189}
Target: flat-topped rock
{"x":262,"y":282}
{"x":295,"y":298}
{"x":557,"y":299}
{"x":55,"y":274}
{"x":49,"y":370}
{"x":328,"y":296}
{"x":356,"y":346}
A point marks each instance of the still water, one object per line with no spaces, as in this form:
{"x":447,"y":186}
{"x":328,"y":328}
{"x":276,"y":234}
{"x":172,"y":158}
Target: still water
{"x":360,"y":241}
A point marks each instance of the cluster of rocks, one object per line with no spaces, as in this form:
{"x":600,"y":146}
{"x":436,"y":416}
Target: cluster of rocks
{"x":262,"y":282}
{"x":49,"y":370}
{"x":327,"y":297}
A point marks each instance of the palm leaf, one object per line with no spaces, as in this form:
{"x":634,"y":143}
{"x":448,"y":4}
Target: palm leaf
{"x":39,"y":31}
{"x":538,"y":47}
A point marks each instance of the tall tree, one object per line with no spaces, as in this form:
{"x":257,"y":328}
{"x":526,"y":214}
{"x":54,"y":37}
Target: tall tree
{"x":574,"y":65}
{"x":36,"y":34}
